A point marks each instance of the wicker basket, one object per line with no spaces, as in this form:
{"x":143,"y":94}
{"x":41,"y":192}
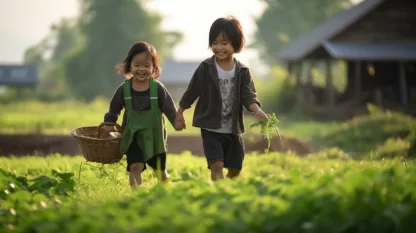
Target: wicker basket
{"x":96,"y":147}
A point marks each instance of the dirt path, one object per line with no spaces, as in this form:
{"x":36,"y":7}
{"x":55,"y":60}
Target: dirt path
{"x":29,"y":144}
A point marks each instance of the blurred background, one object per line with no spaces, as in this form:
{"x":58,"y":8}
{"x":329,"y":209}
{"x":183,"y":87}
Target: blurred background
{"x":76,"y":43}
{"x":315,"y":63}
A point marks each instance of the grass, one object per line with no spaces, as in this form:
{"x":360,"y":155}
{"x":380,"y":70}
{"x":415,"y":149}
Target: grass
{"x":62,"y":117}
{"x":325,"y":192}
{"x":380,"y":134}
{"x":376,"y":132}
{"x":304,"y":129}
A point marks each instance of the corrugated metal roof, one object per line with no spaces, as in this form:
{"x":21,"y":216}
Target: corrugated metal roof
{"x":371,"y":51}
{"x":306,"y":44}
{"x":178,"y":71}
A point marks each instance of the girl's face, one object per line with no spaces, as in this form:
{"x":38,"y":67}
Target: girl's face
{"x":222,"y":48}
{"x":142,"y":66}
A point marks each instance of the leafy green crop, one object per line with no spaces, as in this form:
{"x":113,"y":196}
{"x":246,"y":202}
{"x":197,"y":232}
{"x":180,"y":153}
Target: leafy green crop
{"x":323,"y":192}
{"x":266,"y":128}
{"x":363,"y":134}
{"x":20,"y":194}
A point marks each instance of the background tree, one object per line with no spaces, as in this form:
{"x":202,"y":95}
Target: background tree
{"x":78,"y":56}
{"x":109,"y":28}
{"x":49,"y":54}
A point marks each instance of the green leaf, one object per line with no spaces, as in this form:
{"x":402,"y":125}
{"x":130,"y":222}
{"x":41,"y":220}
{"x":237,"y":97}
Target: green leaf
{"x":266,"y":128}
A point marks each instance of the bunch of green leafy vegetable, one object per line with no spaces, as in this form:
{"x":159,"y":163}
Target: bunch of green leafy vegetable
{"x":267,"y":127}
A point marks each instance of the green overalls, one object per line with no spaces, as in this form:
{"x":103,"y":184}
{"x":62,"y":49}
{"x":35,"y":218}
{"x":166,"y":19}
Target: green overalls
{"x":143,"y":127}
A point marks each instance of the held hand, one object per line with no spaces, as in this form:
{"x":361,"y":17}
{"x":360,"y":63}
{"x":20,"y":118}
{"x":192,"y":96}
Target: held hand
{"x":261,"y":115}
{"x":179,"y":122}
{"x":179,"y":126}
{"x":105,"y":132}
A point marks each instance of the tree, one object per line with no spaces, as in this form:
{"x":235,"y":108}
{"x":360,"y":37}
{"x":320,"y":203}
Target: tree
{"x":286,"y":20}
{"x":63,"y":36}
{"x":109,"y":28}
{"x":78,"y":55}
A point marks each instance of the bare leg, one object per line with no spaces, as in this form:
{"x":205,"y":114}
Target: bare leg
{"x":233,"y":173}
{"x":132,"y":181}
{"x":165,"y":175}
{"x":216,"y":170}
{"x":136,"y":175}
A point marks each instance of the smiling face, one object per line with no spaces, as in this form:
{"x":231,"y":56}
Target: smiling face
{"x":222,"y":48}
{"x":142,"y":66}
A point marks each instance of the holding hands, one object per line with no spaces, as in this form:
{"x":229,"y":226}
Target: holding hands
{"x":179,"y":121}
{"x":180,"y":124}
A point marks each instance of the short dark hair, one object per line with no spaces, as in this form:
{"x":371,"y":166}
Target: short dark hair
{"x":230,"y":27}
{"x":137,"y":48}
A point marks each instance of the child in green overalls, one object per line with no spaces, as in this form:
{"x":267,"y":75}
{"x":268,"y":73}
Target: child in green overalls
{"x":144,"y":99}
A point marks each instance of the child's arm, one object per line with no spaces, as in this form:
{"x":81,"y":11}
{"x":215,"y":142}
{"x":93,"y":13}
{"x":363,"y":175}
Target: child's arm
{"x":166,"y":103}
{"x":248,"y":93}
{"x":192,"y":92}
{"x":249,"y":97}
{"x":116,"y":105}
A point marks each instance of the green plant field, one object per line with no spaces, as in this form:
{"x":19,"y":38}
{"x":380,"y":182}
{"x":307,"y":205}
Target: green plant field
{"x":380,"y":132}
{"x":61,"y":117}
{"x":324,"y":192}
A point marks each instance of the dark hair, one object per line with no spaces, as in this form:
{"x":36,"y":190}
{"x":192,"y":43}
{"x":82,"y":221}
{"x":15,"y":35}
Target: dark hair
{"x":137,"y":48}
{"x":230,"y":27}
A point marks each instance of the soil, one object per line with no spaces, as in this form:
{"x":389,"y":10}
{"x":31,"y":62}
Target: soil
{"x":39,"y":144}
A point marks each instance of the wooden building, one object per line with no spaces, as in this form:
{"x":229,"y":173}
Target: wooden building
{"x":377,"y":41}
{"x":176,"y":76}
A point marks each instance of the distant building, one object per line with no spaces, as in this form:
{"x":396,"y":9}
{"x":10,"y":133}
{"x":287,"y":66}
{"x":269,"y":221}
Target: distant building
{"x":19,"y":74}
{"x":377,"y":41}
{"x":176,"y":76}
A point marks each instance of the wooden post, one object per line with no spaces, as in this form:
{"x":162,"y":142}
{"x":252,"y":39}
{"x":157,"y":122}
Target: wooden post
{"x":309,"y":76}
{"x":357,"y":78}
{"x":298,"y":73}
{"x":330,"y":89}
{"x":378,"y":97}
{"x":289,"y":68}
{"x":299,"y":88}
{"x":403,"y":85}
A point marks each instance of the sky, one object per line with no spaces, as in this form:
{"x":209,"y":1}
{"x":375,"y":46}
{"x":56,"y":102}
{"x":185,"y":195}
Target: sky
{"x":23,"y":23}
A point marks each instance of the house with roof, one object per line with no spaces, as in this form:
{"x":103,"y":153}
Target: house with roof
{"x":377,"y":41}
{"x":176,"y":76}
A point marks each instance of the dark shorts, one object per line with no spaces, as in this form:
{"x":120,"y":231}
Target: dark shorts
{"x":228,"y":148}
{"x":135,"y":155}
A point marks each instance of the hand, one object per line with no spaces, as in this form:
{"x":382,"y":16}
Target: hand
{"x":105,"y":131}
{"x":179,"y":122}
{"x":179,"y":126}
{"x":261,"y":115}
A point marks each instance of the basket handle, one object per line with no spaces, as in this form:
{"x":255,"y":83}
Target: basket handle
{"x":116,"y":127}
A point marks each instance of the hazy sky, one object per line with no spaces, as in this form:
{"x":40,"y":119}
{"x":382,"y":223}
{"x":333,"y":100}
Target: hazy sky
{"x":25,"y":22}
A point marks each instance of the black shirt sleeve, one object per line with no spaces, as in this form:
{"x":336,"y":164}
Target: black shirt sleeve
{"x":166,"y":103}
{"x":116,"y":105}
